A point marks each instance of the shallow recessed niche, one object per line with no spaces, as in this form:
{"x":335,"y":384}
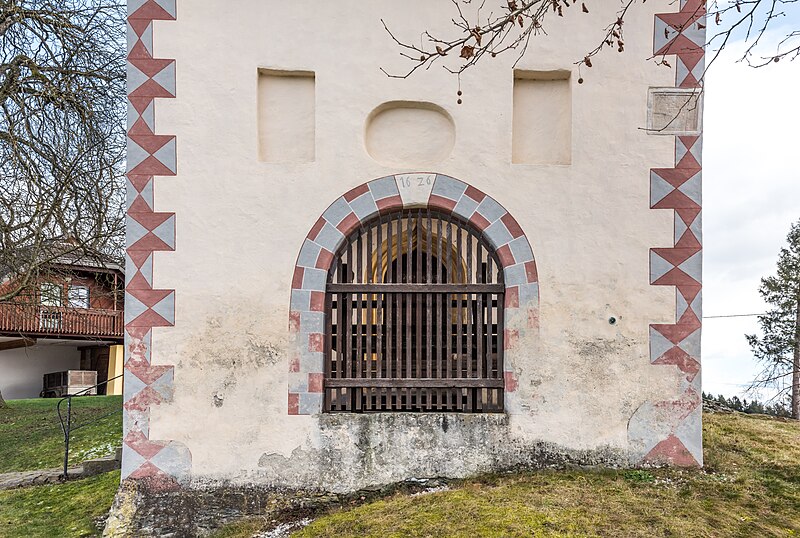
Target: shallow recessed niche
{"x":286,"y":116}
{"x":409,"y":134}
{"x":542,"y":122}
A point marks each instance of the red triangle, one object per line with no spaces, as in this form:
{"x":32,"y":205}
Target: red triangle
{"x":678,"y":357}
{"x":142,"y":445}
{"x":139,"y":25}
{"x":150,"y":219}
{"x":688,"y":240}
{"x":151,"y":11}
{"x":689,"y":292}
{"x":676,"y":256}
{"x":671,"y":450}
{"x":150,"y":319}
{"x":140,"y":127}
{"x":153,"y":167}
{"x":675,"y":277}
{"x":148,"y":373}
{"x":139,"y":205}
{"x":151,"y":66}
{"x":150,"y":243}
{"x":688,"y":214}
{"x":138,"y":282}
{"x":676,"y":200}
{"x":139,"y":51}
{"x":138,"y":258}
{"x":151,"y":89}
{"x":150,"y":297}
{"x":680,"y":45}
{"x":140,"y":104}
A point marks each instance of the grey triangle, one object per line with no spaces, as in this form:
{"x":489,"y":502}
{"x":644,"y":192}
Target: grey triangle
{"x":166,"y":78}
{"x":166,"y":155}
{"x":693,"y":188}
{"x":694,"y":266}
{"x":133,"y":231}
{"x":136,"y":155}
{"x":691,"y":344}
{"x":658,"y":188}
{"x":166,"y":307}
{"x":658,"y":345}
{"x":133,"y":308}
{"x":166,"y":231}
{"x":658,"y":266}
{"x":135,"y":78}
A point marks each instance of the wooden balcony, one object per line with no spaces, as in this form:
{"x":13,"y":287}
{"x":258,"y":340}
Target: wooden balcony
{"x":60,"y":322}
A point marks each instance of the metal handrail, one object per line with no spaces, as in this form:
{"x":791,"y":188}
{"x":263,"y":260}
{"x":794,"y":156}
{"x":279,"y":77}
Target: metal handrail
{"x":68,"y":428}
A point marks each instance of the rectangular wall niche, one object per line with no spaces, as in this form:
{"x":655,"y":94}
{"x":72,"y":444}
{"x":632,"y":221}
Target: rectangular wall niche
{"x":542,"y":121}
{"x":674,"y":111}
{"x":286,"y":116}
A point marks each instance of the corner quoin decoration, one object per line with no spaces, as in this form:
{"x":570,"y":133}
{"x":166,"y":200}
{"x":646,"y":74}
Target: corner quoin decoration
{"x":162,"y":464}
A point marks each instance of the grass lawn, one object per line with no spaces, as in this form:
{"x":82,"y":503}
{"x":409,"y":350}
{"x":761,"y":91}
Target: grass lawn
{"x":31,"y":437}
{"x":750,"y":487}
{"x":68,"y":510}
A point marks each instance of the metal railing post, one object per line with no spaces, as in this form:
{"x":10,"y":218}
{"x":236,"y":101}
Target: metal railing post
{"x":66,"y":426}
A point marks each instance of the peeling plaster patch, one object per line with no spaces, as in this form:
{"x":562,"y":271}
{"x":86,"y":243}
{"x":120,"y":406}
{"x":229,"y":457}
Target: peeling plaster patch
{"x":218,"y":399}
{"x":235,"y":340}
{"x":602,"y":347}
{"x":348,"y":452}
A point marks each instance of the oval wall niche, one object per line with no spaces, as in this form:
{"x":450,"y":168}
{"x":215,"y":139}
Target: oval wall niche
{"x":410,"y":134}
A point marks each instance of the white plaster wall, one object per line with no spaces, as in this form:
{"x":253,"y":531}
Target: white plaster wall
{"x":21,"y":369}
{"x":241,"y":222}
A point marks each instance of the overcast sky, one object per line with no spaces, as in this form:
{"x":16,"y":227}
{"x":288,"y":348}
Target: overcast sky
{"x":751,"y":195}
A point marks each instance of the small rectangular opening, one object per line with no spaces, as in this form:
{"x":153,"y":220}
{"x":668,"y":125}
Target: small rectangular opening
{"x":542,"y":119}
{"x":286,"y":116}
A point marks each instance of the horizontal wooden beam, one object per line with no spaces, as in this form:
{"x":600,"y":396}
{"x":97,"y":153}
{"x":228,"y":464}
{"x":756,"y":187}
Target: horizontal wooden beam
{"x":15,"y":344}
{"x":416,"y":288}
{"x":415,"y":383}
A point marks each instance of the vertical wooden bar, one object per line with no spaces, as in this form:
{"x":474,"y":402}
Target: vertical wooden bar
{"x":370,"y":318}
{"x":449,"y":304}
{"x":439,"y":311}
{"x":428,"y":314}
{"x":379,"y":313}
{"x":459,"y":313}
{"x":328,"y":346}
{"x":358,"y":267}
{"x":337,"y":402}
{"x":399,"y":325}
{"x":390,"y":277}
{"x":408,"y":304}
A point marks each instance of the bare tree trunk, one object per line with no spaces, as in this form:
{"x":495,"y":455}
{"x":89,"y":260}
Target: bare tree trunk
{"x":796,"y":365}
{"x":2,"y":401}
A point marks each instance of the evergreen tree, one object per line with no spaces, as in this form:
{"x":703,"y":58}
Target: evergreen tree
{"x":779,"y":347}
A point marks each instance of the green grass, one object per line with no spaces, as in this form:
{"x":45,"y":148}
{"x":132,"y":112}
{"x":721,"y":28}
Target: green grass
{"x":31,"y":436}
{"x":68,"y":510}
{"x":750,"y":487}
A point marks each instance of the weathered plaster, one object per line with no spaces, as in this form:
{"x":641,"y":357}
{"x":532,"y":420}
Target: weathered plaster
{"x":242,"y":221}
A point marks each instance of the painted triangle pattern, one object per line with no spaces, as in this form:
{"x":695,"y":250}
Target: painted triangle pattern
{"x":161,"y":464}
{"x":354,"y":209}
{"x":671,"y":431}
{"x":683,"y":34}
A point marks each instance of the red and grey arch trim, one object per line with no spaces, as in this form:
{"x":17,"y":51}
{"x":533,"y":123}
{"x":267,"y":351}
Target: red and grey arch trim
{"x":670,"y":431}
{"x":380,"y":196}
{"x":162,"y":464}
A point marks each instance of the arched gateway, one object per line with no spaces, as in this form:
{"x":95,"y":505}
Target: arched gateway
{"x":406,"y":295}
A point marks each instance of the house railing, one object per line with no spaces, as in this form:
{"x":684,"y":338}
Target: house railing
{"x":34,"y":319}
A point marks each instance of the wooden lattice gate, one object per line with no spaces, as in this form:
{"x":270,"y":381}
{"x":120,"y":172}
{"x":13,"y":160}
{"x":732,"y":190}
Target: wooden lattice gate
{"x":414,"y":318}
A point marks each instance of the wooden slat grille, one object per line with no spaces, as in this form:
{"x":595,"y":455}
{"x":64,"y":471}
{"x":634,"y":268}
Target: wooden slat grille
{"x":414,"y":310}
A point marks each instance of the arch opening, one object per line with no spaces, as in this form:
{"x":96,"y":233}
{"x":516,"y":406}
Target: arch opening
{"x":424,"y":332}
{"x":515,"y":282}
